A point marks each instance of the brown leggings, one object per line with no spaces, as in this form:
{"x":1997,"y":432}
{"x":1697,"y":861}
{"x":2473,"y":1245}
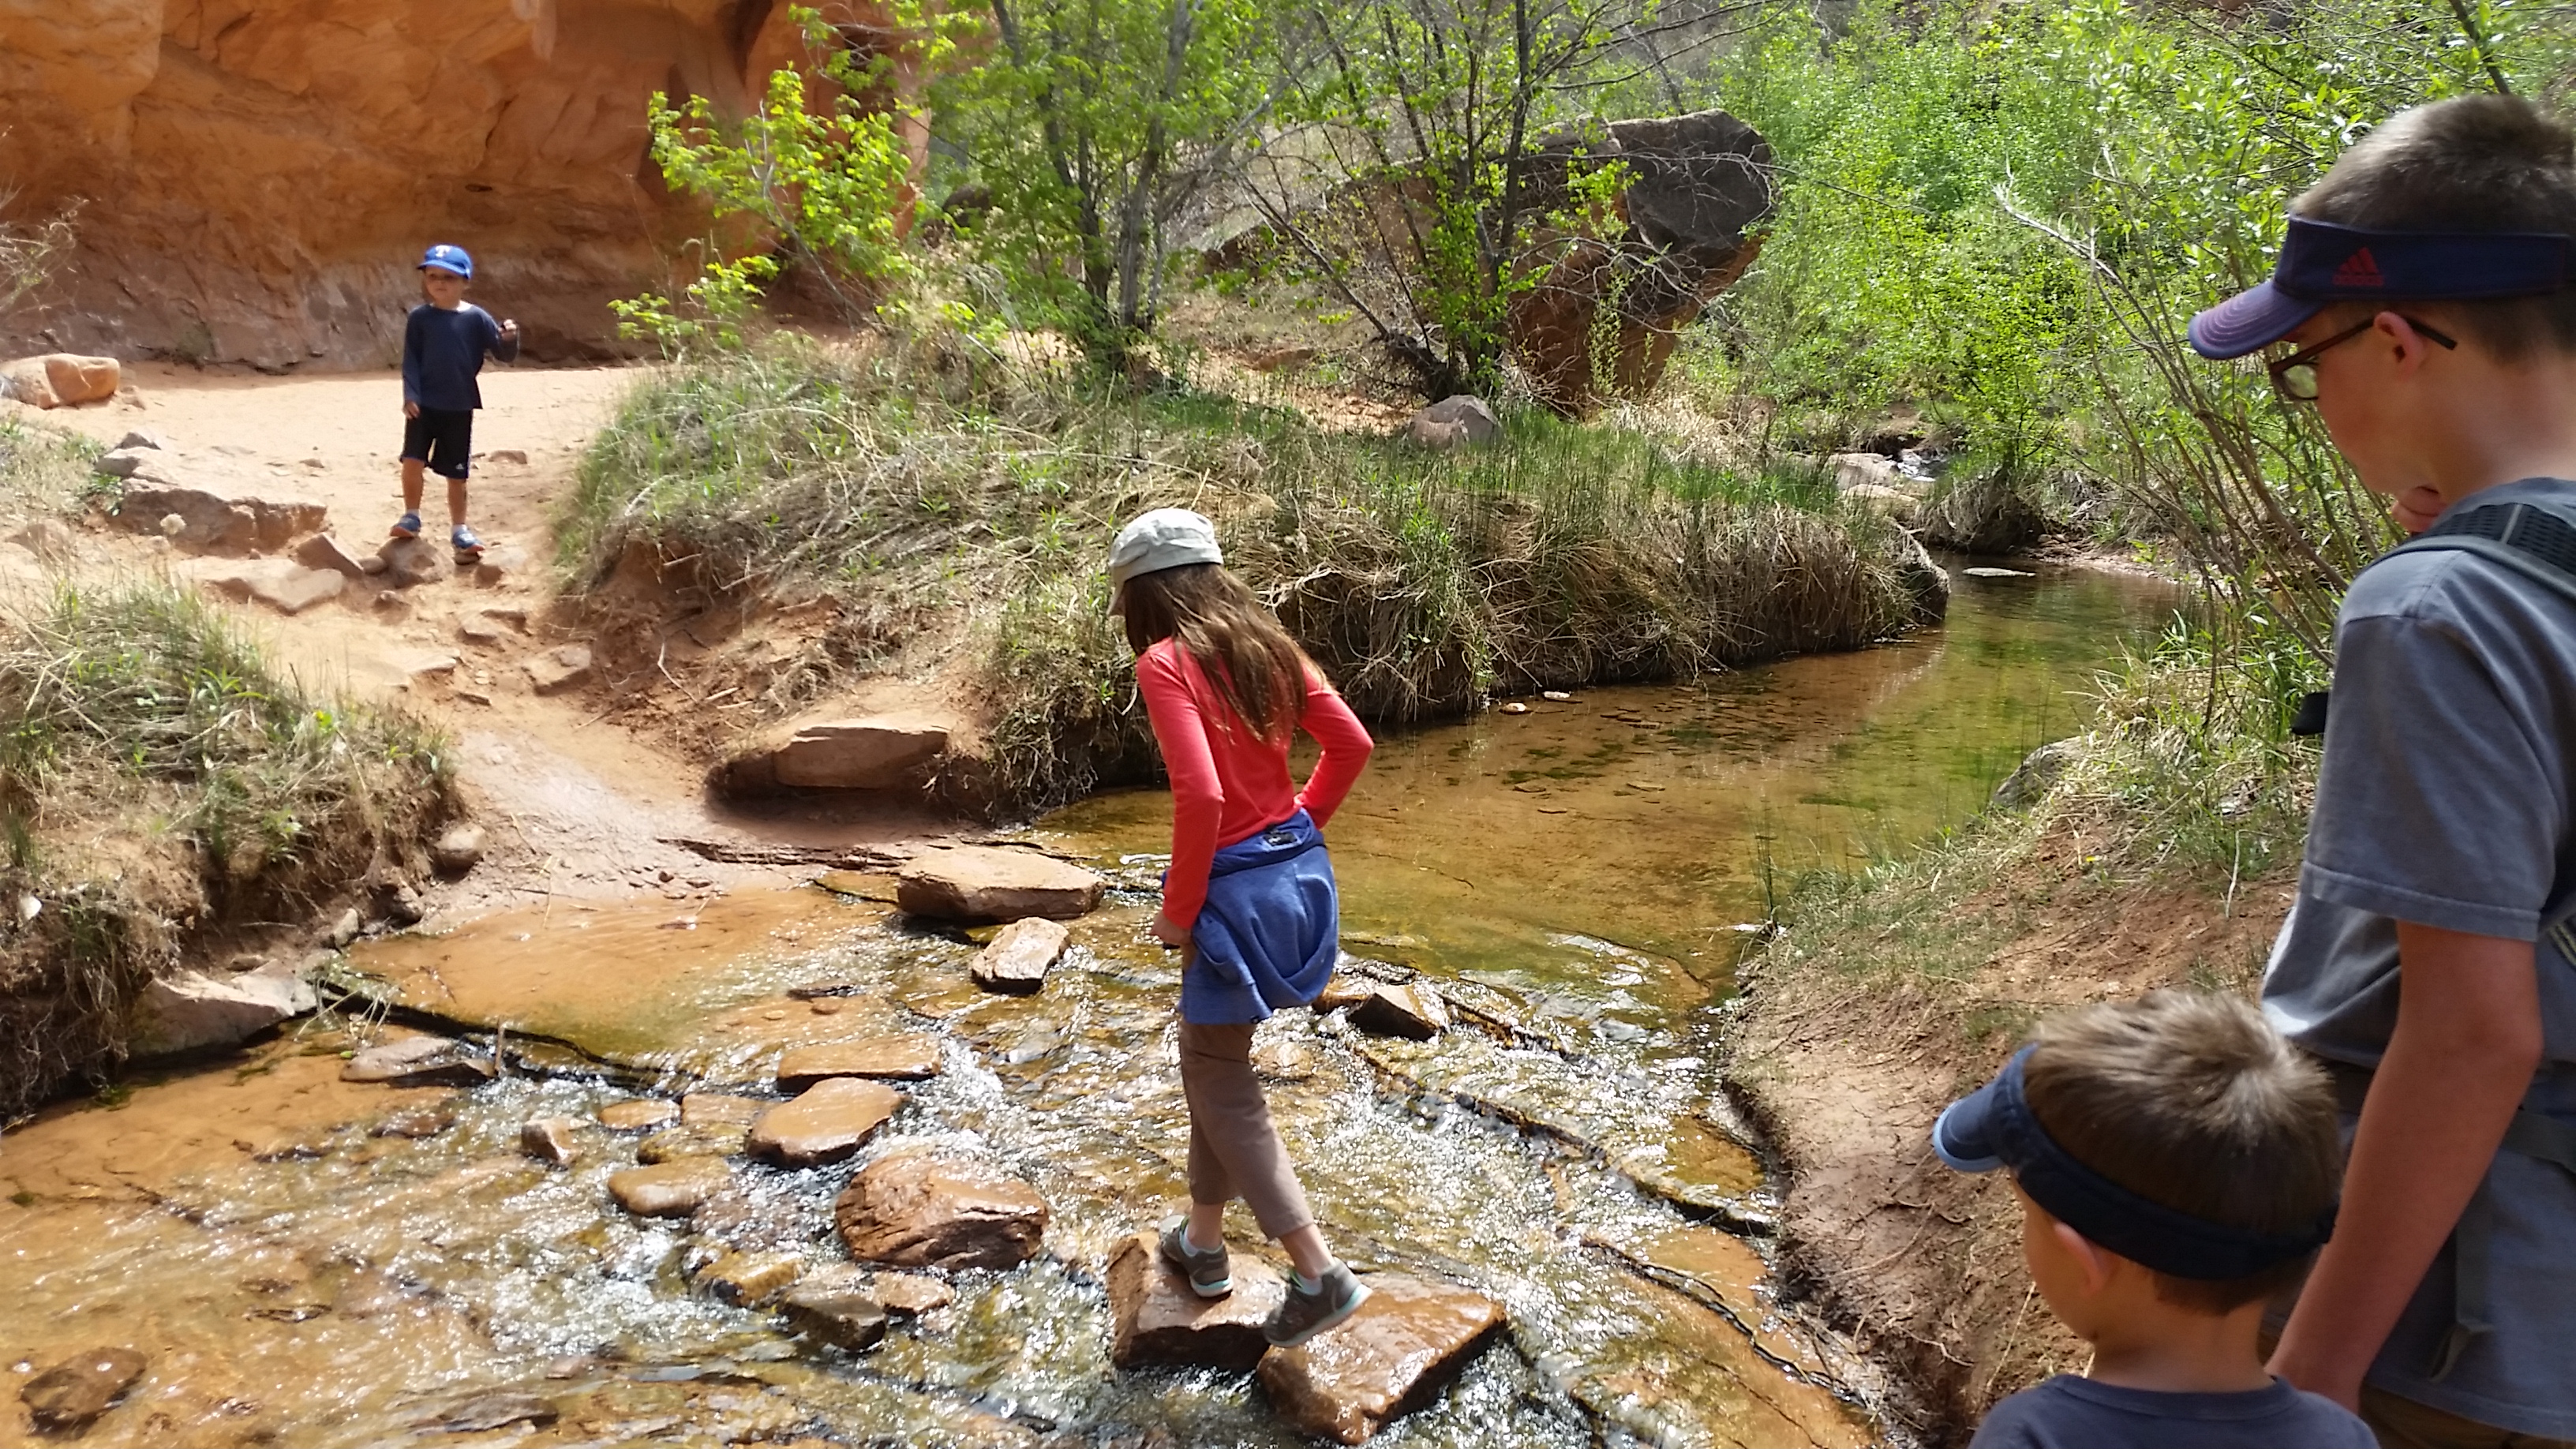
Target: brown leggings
{"x":1235,"y":1151}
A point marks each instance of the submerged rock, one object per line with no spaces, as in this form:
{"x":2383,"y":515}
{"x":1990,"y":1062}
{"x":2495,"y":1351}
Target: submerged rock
{"x":1016,"y":962}
{"x":66,"y":1397}
{"x":706,"y":1139}
{"x":984,"y":883}
{"x":670,"y":1189}
{"x":842,"y":1317}
{"x":825,"y":1124}
{"x":1415,"y":1011}
{"x":749,"y":1280}
{"x":420,"y":1061}
{"x":1159,"y":1319}
{"x":486,"y":1412}
{"x":1410,"y":1338}
{"x":918,"y":1211}
{"x":910,"y":1295}
{"x":640,"y":1115}
{"x":906,"y":1057}
{"x":708,"y":1109}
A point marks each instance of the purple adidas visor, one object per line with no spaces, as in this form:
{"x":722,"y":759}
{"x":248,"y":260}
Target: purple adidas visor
{"x":2321,"y":263}
{"x":1993,"y":1127}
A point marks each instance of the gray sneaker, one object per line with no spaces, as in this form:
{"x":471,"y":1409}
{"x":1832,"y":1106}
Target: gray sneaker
{"x":1206,"y":1268}
{"x":1302,"y":1315}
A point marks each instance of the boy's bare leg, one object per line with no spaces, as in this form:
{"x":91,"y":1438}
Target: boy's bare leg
{"x":456,"y":501}
{"x":412,"y":468}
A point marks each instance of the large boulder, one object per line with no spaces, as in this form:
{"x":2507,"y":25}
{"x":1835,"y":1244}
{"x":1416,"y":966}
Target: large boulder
{"x":824,"y":1124}
{"x":985,"y":883}
{"x":1606,"y":317}
{"x":191,"y":1011}
{"x":878,"y":752}
{"x":916,"y":1210}
{"x":1410,"y":1338}
{"x":1159,"y":1319}
{"x":61,"y":379}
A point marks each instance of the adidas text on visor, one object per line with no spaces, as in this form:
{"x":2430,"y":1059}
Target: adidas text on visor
{"x":2323,"y":263}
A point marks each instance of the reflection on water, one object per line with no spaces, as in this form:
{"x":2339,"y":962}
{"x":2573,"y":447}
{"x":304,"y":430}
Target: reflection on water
{"x":314,"y":1262}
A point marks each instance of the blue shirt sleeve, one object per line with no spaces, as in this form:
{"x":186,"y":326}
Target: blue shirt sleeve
{"x":412,"y":345}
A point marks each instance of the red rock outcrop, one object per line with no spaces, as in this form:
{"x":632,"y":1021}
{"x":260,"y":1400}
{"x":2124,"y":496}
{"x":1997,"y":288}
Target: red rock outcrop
{"x":255,"y":178}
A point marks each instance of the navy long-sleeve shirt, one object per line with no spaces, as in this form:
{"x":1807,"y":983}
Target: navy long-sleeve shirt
{"x":443,"y":350}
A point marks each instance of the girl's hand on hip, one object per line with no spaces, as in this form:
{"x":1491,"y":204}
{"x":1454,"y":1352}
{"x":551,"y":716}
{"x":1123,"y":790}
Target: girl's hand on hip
{"x":1176,"y":937}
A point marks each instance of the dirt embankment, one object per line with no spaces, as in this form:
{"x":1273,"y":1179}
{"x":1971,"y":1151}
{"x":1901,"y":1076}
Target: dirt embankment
{"x":1900,"y":992}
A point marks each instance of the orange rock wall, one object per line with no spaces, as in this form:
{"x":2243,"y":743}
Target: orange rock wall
{"x":255,"y":178}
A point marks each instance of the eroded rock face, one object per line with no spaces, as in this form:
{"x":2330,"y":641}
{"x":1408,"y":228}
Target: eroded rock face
{"x":1159,"y":1319}
{"x":915,"y":1210}
{"x":264,"y":173}
{"x":1411,"y":1337}
{"x":984,"y":883}
{"x":878,"y":752}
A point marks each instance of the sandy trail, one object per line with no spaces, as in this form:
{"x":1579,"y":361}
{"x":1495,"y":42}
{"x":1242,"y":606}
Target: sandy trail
{"x":575,"y":804}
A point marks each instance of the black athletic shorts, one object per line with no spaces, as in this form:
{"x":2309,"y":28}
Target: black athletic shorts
{"x":442,"y":438}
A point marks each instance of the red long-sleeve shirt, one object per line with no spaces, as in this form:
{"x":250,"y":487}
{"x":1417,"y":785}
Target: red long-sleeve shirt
{"x":1227,"y":783}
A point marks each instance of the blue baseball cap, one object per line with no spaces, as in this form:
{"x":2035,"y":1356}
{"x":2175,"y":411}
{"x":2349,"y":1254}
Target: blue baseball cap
{"x":448,"y":259}
{"x":1993,"y":1127}
{"x":2322,"y":263}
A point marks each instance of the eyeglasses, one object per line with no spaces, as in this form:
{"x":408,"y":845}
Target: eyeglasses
{"x":2295,"y":377}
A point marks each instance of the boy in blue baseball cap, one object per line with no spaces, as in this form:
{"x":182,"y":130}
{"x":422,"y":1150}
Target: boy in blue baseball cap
{"x":443,"y":348}
{"x":2176,"y":1164}
{"x":2422,"y":305}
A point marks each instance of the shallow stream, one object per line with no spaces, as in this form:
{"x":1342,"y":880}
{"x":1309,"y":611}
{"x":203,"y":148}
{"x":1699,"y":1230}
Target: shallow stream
{"x":307,"y":1261}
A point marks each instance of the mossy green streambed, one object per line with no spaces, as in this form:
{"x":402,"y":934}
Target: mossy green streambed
{"x":296,"y":1266}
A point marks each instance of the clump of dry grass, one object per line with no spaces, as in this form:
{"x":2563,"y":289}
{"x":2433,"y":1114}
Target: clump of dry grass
{"x":985,"y":494}
{"x":158,"y":781}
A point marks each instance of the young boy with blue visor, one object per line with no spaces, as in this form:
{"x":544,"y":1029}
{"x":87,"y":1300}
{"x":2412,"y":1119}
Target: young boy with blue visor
{"x":2176,"y":1164}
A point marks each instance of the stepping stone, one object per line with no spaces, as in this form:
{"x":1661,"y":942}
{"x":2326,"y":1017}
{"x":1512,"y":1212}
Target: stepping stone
{"x":986,"y":883}
{"x":1016,"y":961}
{"x":908,"y":1057}
{"x":914,"y":1210}
{"x":640,"y":1115}
{"x":670,"y":1189}
{"x":1415,"y":1011}
{"x":1160,"y":1320}
{"x":420,"y":1061}
{"x":825,"y":1124}
{"x":841,"y":1317}
{"x":1410,"y":1338}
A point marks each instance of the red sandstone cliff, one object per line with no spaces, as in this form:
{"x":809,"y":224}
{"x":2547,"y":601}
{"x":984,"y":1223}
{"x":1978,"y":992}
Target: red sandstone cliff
{"x":256,"y":177}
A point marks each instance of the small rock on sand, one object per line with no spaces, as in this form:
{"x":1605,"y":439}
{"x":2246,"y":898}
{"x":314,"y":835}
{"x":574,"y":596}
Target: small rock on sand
{"x":1017,"y":961}
{"x":1407,"y":1340}
{"x":669,"y":1189}
{"x":825,"y":1124}
{"x":566,"y":667}
{"x":66,"y":1397}
{"x":915,"y":1210}
{"x":1158,"y":1318}
{"x":457,"y":849}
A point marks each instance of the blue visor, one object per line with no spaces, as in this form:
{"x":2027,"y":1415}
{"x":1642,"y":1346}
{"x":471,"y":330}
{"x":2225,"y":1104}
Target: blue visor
{"x":1992,"y":1127}
{"x":2322,"y":262}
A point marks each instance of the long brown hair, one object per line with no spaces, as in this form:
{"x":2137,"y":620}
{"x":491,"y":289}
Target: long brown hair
{"x":1253,"y":663}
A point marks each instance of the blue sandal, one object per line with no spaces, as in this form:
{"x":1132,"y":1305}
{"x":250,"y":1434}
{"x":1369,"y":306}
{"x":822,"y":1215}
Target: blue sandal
{"x":408,"y":526}
{"x":468,"y":547}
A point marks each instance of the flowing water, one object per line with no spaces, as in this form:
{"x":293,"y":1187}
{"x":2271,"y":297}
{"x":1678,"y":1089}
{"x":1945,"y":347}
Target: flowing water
{"x":309,"y":1261}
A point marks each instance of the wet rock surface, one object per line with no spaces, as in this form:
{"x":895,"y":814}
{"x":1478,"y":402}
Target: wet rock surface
{"x":670,"y":1189}
{"x":750,"y":1280}
{"x":1157,"y":1318}
{"x":642,"y":1114}
{"x":555,"y":1140}
{"x":826,"y":1123}
{"x":918,"y":1210}
{"x":420,"y":1061}
{"x":703,"y":1139}
{"x":909,"y":1295}
{"x":842,"y":1317}
{"x":1016,"y":962}
{"x":1413,"y":1011}
{"x":66,"y":1397}
{"x":1411,"y":1337}
{"x":909,"y":1057}
{"x":984,"y":883}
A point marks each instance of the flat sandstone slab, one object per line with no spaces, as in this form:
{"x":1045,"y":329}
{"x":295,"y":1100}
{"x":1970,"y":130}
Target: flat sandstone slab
{"x":908,"y":1057}
{"x":826,"y":1124}
{"x":986,"y":883}
{"x":915,"y":1210}
{"x":1160,"y":1319}
{"x":1017,"y":961}
{"x":670,"y":1189}
{"x":1410,"y":1338}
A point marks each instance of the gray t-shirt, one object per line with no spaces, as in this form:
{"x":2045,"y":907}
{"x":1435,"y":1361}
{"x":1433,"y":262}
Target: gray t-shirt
{"x":2444,"y":800}
{"x":2071,"y":1413}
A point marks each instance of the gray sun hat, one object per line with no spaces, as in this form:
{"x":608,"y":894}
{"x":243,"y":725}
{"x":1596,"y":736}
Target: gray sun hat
{"x":1166,"y":538}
